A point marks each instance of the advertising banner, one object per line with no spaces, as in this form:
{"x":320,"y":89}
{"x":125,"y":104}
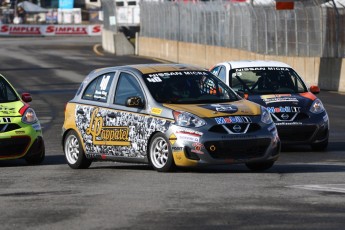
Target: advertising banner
{"x":50,"y":30}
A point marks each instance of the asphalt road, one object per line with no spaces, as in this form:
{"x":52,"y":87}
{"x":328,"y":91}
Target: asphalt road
{"x":304,"y":190}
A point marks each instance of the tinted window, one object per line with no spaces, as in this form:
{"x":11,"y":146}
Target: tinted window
{"x":222,"y":74}
{"x":7,"y":94}
{"x":98,"y":89}
{"x":127,"y":86}
{"x":266,"y":80}
{"x":188,"y":87}
{"x":215,"y":70}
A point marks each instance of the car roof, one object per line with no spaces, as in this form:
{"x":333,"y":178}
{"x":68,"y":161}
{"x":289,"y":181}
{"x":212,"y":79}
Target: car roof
{"x":256,"y":63}
{"x":152,"y":68}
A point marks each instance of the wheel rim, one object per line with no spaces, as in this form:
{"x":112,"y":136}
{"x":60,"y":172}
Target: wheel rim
{"x":159,"y":152}
{"x":72,"y":149}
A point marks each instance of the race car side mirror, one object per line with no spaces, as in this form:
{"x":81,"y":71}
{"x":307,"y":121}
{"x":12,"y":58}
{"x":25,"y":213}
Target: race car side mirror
{"x":135,"y":102}
{"x":314,"y":89}
{"x":26,"y":97}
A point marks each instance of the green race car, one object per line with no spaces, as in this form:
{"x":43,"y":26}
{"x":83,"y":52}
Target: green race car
{"x":20,"y":130}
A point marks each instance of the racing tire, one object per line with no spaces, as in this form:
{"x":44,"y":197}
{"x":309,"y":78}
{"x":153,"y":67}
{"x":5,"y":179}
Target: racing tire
{"x":321,"y":146}
{"x":160,"y":154}
{"x":74,"y":152}
{"x":260,"y":166}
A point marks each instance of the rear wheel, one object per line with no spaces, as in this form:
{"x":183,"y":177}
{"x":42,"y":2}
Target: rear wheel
{"x":260,"y":166}
{"x":160,"y":154}
{"x":74,"y":152}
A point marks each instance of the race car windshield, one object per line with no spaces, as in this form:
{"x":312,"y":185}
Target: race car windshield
{"x":266,"y":80}
{"x":7,"y":94}
{"x":188,"y":87}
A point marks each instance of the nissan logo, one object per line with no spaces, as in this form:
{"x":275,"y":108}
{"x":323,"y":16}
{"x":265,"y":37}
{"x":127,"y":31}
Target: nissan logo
{"x":237,"y":128}
{"x":285,"y":116}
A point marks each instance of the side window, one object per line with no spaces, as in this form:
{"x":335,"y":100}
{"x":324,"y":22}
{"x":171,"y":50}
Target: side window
{"x":215,"y":70}
{"x":222,"y":74}
{"x":127,"y":86}
{"x":98,"y":89}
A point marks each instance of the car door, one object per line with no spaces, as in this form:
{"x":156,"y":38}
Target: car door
{"x":133,"y":117}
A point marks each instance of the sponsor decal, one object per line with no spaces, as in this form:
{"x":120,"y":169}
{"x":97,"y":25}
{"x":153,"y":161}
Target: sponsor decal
{"x":5,"y":120}
{"x":278,"y":98}
{"x":233,"y":120}
{"x":224,"y":108}
{"x":288,"y":123}
{"x":156,"y":111}
{"x":50,"y":30}
{"x":113,"y":135}
{"x":178,"y":149}
{"x":189,"y":132}
{"x":325,"y":118}
{"x":172,"y":139}
{"x":188,"y":137}
{"x":20,"y":132}
{"x":133,"y":130}
{"x":284,"y":109}
{"x":240,"y":136}
{"x":261,"y":69}
{"x":20,"y":29}
{"x":197,"y":148}
{"x":157,"y":77}
{"x":6,"y":110}
{"x":58,"y":30}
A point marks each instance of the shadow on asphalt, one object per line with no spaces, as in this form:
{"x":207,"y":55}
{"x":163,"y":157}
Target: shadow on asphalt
{"x":239,"y":168}
{"x":48,"y":160}
{"x":332,"y":146}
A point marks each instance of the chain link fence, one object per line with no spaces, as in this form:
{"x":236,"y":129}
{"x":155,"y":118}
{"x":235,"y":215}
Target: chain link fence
{"x":311,"y":29}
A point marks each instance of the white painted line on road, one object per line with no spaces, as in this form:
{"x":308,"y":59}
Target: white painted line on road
{"x":325,"y":188}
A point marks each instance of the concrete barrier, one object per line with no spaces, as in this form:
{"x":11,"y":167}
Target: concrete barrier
{"x":116,"y":43}
{"x":328,"y":73}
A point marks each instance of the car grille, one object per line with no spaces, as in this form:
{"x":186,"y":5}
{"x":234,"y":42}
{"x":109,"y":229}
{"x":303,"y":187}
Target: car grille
{"x":14,"y":146}
{"x":8,"y":127}
{"x":289,"y":116}
{"x":224,"y":128}
{"x":296,"y":133}
{"x":237,"y":149}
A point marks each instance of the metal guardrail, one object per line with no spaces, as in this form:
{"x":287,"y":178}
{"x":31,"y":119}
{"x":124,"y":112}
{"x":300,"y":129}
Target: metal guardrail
{"x":312,"y":29}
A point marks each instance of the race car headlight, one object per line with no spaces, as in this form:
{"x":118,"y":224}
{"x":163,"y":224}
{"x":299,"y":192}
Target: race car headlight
{"x":186,"y":119}
{"x":29,"y":116}
{"x":266,"y":116}
{"x":317,"y":107}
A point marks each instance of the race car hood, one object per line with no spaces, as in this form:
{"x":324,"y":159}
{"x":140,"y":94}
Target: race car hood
{"x":302,"y":101}
{"x":11,"y":109}
{"x":242,"y":107}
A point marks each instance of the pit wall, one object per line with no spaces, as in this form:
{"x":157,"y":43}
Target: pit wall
{"x":327,"y":73}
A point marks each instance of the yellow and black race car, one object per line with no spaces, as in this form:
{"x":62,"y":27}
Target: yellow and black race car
{"x":165,"y":115}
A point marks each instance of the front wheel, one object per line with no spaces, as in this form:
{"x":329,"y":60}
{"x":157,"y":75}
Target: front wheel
{"x":74,"y":152}
{"x":160,"y":154}
{"x":260,"y":166}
